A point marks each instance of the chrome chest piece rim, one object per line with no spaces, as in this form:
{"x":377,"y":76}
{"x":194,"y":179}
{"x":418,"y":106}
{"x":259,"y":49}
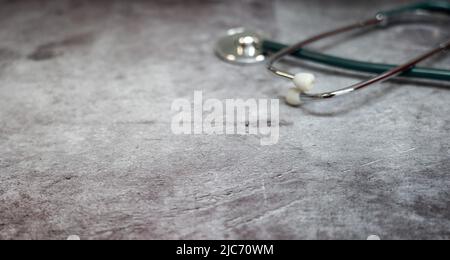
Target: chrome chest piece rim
{"x":241,"y":46}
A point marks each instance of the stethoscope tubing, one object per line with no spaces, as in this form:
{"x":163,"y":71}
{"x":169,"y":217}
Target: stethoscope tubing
{"x":358,"y":66}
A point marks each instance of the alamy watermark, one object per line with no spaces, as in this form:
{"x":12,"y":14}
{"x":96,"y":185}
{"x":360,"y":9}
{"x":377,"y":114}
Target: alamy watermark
{"x":259,"y":117}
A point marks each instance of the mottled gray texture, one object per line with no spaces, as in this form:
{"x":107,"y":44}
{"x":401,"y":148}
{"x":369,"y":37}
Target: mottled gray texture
{"x":86,"y":148}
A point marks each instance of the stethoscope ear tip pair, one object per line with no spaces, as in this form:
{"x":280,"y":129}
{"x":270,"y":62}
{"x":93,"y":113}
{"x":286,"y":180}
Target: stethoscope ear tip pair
{"x":303,"y":82}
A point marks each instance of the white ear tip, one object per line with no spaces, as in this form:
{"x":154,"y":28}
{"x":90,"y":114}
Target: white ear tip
{"x":293,"y":97}
{"x":304,"y":81}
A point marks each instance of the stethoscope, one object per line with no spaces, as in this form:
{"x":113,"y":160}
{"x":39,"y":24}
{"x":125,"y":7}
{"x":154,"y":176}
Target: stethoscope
{"x":241,"y":46}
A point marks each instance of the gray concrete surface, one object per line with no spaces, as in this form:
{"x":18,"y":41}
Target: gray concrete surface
{"x":86,"y":147}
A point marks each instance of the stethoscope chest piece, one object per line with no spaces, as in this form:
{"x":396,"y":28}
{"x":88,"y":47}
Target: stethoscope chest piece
{"x":241,"y":46}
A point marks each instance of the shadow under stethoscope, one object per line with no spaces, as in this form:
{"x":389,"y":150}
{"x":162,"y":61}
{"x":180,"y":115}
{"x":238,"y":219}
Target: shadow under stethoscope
{"x":366,"y":97}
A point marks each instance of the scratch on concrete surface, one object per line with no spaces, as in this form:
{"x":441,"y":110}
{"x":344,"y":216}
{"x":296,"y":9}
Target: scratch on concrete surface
{"x":373,"y":162}
{"x":269,"y":212}
{"x":390,"y":157}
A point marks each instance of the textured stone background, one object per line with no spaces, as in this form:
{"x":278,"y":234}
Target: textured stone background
{"x":86,"y":148}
